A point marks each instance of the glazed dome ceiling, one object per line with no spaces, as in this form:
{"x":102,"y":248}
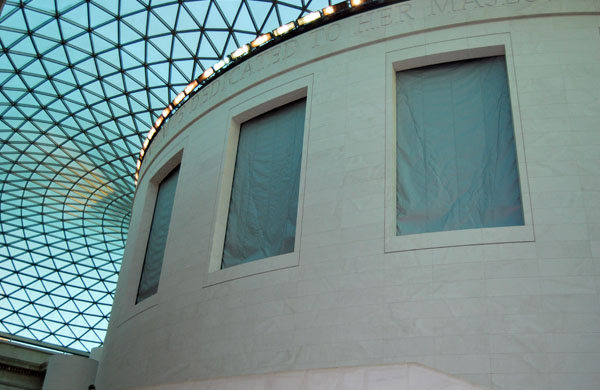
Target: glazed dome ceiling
{"x":81,"y":82}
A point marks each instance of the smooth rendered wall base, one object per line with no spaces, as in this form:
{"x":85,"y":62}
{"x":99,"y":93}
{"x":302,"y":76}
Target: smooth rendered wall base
{"x":409,"y":376}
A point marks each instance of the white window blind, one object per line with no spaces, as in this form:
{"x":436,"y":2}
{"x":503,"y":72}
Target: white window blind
{"x":264,"y":196}
{"x":456,"y":158}
{"x":157,"y":240}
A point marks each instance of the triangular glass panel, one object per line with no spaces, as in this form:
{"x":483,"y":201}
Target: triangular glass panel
{"x":197,"y":9}
{"x":288,"y":14}
{"x":76,"y":15}
{"x":111,"y":57}
{"x":128,"y":7}
{"x":260,"y":10}
{"x":76,"y":55}
{"x":315,"y":5}
{"x":157,"y":27}
{"x":83,"y":42}
{"x":25,"y":46}
{"x":214,"y":19}
{"x":230,"y":9}
{"x":99,"y":15}
{"x":99,"y":43}
{"x":137,"y":50}
{"x":218,"y":38}
{"x":133,"y":27}
{"x":154,"y":53}
{"x":109,"y":32}
{"x":185,"y":22}
{"x":271,"y":23}
{"x":167,"y":13}
{"x":69,"y":29}
{"x":185,"y":67}
{"x":10,"y":37}
{"x":244,"y":22}
{"x":49,"y":31}
{"x":179,"y":51}
{"x":15,"y":21}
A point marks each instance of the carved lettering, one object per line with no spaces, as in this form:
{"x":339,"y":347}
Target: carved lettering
{"x":315,"y":36}
{"x":384,"y":17}
{"x":235,"y":75}
{"x":439,"y":7}
{"x":247,"y":68}
{"x":214,"y":88}
{"x":203,"y":96}
{"x":364,"y":22}
{"x":471,"y":4}
{"x":275,"y":52}
{"x":290,"y":48}
{"x":176,"y":119}
{"x":404,"y":10}
{"x":194,"y":103}
{"x":258,"y":63}
{"x":164,"y":130}
{"x":330,"y":33}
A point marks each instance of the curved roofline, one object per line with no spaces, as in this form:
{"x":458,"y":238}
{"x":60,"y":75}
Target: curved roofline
{"x":263,"y":42}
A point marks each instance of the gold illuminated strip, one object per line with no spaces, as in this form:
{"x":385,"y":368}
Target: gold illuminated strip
{"x":284,"y":29}
{"x":243,"y":50}
{"x":221,"y":64}
{"x":190,"y":87}
{"x":207,"y":73}
{"x":178,"y":98}
{"x":167,"y":111}
{"x":262,"y":39}
{"x":311,"y":17}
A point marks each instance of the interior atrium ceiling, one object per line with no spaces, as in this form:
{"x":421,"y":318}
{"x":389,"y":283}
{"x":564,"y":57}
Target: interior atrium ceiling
{"x":81,"y":82}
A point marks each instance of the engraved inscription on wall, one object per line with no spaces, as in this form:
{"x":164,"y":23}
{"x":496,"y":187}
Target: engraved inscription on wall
{"x":439,"y":7}
{"x":287,"y":53}
{"x":398,"y":13}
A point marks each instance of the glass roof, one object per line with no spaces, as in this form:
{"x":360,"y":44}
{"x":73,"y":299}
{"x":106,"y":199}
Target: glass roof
{"x":81,"y":82}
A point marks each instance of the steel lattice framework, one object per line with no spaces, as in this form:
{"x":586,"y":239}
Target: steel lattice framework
{"x":81,"y":82}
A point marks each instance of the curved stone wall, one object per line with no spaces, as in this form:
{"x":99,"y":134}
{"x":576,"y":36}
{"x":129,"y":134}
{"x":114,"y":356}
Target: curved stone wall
{"x":515,"y":308}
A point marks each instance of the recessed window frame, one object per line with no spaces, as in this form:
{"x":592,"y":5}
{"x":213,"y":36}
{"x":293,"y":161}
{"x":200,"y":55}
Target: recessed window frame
{"x":153,"y":225}
{"x":157,"y":170}
{"x":252,"y":107}
{"x":437,"y":53}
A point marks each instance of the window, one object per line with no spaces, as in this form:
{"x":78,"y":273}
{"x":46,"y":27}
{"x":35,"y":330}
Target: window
{"x":157,"y":238}
{"x":264,"y":196}
{"x":456,"y":162}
